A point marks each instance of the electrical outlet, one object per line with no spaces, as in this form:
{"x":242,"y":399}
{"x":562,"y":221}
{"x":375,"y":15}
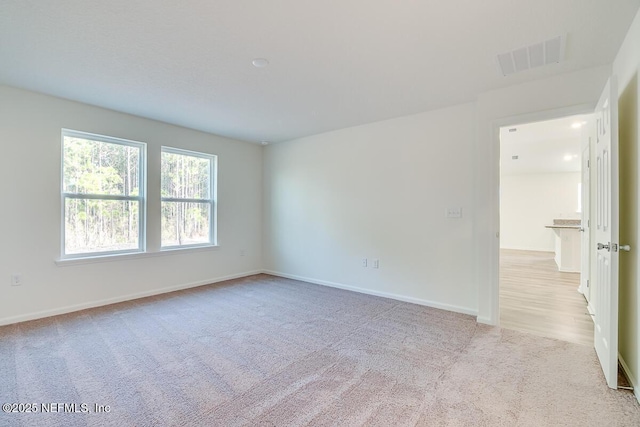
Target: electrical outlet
{"x":364,"y":262}
{"x":16,"y":279}
{"x":376,"y":263}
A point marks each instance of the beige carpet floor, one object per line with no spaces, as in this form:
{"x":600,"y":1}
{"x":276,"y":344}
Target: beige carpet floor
{"x":266,"y":351}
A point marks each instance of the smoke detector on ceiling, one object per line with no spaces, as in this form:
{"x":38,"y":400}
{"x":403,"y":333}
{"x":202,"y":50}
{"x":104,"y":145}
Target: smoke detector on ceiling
{"x":260,"y":62}
{"x":536,"y":55}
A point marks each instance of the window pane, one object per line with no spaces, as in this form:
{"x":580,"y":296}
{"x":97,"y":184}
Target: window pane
{"x":185,"y":177}
{"x":100,"y":225}
{"x":97,"y":167}
{"x":185,"y":223}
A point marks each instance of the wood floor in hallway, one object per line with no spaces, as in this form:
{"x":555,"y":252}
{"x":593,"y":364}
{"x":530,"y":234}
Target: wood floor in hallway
{"x":537,"y":298}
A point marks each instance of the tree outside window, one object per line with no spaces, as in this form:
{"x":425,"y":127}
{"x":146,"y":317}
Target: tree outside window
{"x":102,"y":194}
{"x":188,"y":198}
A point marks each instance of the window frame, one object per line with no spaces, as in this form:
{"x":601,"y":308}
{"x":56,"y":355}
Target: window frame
{"x":140,"y":198}
{"x":212,"y":200}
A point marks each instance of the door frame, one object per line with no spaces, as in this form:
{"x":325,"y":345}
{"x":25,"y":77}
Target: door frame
{"x":585,"y":239}
{"x":494,"y":318}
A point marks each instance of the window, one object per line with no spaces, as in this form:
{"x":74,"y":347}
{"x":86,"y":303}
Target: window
{"x":188,"y":198}
{"x":104,"y":204}
{"x":102,"y":195}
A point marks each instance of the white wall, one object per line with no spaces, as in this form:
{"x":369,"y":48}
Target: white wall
{"x":30,"y":216}
{"x":377,"y":191}
{"x":528,"y":202}
{"x":380,"y":190}
{"x":627,"y":67}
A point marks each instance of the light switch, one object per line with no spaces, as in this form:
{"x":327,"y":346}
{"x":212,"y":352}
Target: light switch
{"x":454,"y":212}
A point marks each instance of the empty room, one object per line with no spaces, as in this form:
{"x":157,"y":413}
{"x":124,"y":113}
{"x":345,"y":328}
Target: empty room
{"x":291,"y":213}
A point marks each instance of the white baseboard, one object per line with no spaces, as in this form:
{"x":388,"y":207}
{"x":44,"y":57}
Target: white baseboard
{"x":129,"y":297}
{"x":485,"y":320}
{"x":632,"y":379}
{"x":389,"y":295}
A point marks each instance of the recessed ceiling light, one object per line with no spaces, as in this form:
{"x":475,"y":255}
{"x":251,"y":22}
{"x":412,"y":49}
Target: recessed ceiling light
{"x":264,"y":142}
{"x":260,"y":62}
{"x":568,"y":158}
{"x":578,"y":125}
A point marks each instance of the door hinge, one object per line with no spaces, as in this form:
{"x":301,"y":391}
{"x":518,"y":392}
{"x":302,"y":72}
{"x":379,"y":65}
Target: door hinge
{"x":588,"y":163}
{"x":587,"y":283}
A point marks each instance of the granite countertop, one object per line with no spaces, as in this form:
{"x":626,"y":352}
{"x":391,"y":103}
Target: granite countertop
{"x":565,"y":223}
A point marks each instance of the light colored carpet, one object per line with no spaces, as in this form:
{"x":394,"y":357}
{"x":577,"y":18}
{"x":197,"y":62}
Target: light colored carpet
{"x":266,"y":351}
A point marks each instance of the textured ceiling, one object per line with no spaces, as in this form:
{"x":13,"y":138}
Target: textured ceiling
{"x":333,"y":64}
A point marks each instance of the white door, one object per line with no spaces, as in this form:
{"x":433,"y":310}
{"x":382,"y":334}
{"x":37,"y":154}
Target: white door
{"x":585,"y":207}
{"x":606,"y":234}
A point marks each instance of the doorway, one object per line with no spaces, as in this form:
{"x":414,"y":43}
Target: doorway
{"x":541,"y":230}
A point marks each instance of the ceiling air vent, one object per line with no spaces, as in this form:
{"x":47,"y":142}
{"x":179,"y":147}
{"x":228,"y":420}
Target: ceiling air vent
{"x":536,"y":55}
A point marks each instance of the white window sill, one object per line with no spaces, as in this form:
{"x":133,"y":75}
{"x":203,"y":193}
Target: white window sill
{"x":64,"y":262}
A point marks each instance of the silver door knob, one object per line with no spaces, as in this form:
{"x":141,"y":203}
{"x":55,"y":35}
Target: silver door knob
{"x":625,"y":248}
{"x":603,"y":246}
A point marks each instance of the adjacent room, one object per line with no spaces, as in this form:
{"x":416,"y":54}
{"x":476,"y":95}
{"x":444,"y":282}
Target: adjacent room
{"x":241,"y":213}
{"x":542,"y":236}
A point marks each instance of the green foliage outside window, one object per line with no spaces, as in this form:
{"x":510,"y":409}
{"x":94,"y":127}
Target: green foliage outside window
{"x":97,"y":168}
{"x":186,"y":182}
